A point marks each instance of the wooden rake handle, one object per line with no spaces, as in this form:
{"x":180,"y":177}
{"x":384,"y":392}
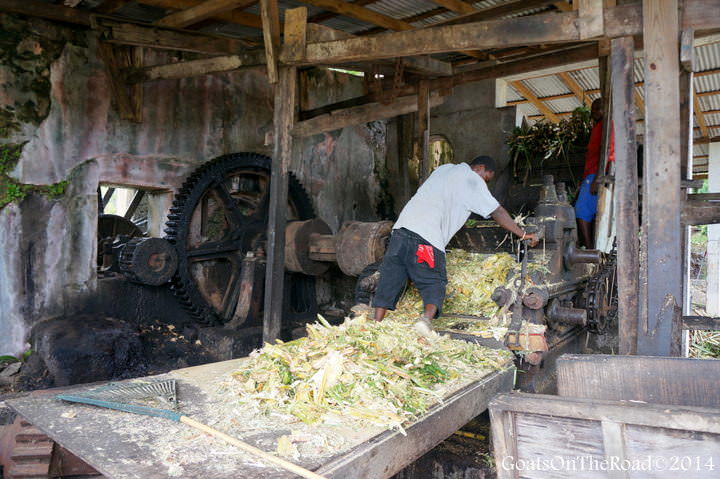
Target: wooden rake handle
{"x":289,"y":466}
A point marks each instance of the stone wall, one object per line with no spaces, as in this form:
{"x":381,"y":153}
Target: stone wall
{"x":55,"y":100}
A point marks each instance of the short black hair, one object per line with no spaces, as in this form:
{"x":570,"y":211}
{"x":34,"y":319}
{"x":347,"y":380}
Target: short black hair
{"x":486,"y":161}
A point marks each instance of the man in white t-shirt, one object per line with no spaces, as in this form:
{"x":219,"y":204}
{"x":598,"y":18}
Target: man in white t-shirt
{"x":430,"y":219}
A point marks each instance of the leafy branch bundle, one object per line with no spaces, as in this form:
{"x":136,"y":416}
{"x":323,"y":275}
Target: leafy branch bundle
{"x":532,"y":146}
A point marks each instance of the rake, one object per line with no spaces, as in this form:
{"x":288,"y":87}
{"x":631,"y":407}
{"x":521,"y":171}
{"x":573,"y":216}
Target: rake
{"x":114,"y":395}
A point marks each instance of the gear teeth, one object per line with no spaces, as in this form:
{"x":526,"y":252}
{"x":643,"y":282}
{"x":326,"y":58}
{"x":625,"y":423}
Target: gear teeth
{"x":185,"y":201}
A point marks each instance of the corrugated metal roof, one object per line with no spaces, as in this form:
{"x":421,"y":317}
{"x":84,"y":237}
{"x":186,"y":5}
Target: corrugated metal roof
{"x":401,"y":8}
{"x":713,"y":119}
{"x":707,"y":57}
{"x":563,"y":105}
{"x":546,"y":86}
{"x":587,"y":78}
{"x":709,"y":103}
{"x":707,"y":82}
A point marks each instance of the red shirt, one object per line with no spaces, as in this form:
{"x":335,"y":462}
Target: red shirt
{"x":594,"y":149}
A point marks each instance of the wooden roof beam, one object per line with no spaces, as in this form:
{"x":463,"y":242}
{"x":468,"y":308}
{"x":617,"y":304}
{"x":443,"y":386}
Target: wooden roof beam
{"x":530,"y":96}
{"x":370,"y":16}
{"x":202,"y":11}
{"x":235,"y":16}
{"x":109,"y":7}
{"x":700,"y":116}
{"x":457,"y":6}
{"x":575,"y":88}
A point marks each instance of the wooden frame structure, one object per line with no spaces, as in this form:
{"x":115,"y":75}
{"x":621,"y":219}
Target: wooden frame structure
{"x":563,"y":36}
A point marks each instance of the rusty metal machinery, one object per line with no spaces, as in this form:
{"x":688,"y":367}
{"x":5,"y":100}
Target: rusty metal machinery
{"x":213,"y":255}
{"x":576,"y":291}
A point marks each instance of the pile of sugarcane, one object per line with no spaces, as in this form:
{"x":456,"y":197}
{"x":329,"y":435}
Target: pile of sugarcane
{"x":361,"y":371}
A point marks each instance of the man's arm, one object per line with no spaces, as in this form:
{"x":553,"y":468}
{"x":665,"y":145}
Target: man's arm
{"x":502,"y":217}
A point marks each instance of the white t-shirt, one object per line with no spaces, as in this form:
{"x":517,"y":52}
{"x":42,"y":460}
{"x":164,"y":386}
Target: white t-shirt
{"x":444,"y":203}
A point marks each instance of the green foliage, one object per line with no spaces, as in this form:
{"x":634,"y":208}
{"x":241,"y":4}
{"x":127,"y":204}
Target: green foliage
{"x":12,"y":190}
{"x":8,"y":359}
{"x":531,"y":147}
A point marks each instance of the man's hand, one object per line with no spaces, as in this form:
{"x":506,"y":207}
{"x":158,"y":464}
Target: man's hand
{"x":532,"y":239}
{"x":594,"y":186}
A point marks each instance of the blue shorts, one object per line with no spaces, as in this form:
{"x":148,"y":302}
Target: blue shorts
{"x":586,"y":204}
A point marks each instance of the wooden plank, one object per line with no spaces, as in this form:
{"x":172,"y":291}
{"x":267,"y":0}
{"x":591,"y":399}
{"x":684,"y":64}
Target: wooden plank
{"x":626,"y":192}
{"x":473,"y":36}
{"x":124,"y":33}
{"x":658,"y":380}
{"x":271,"y":36}
{"x":457,"y":6}
{"x":575,"y":88}
{"x":110,"y":440}
{"x":701,"y":323}
{"x":590,"y":19}
{"x":555,"y":59}
{"x":687,"y":50}
{"x":424,"y":65}
{"x":36,"y":8}
{"x":384,"y":456}
{"x":234,"y":16}
{"x":295,"y":32}
{"x":359,"y":115}
{"x":201,"y":11}
{"x":704,"y":196}
{"x":701,"y":14}
{"x":700,"y":116}
{"x":422,"y":133}
{"x":504,"y":432}
{"x":200,"y":67}
{"x":613,"y":439}
{"x":697,"y":212}
{"x":530,"y":96}
{"x":700,"y":419}
{"x":284,"y":117}
{"x":111,"y":6}
{"x":361,"y":13}
{"x":662,"y":190}
{"x":496,"y":11}
{"x":128,"y":98}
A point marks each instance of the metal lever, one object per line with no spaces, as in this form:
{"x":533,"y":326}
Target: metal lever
{"x":516,"y":322}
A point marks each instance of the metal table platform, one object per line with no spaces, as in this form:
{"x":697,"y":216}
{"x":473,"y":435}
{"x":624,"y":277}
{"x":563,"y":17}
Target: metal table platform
{"x":122,"y":445}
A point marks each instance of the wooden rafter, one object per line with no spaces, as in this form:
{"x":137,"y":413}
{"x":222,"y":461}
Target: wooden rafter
{"x":325,"y":16}
{"x":700,"y":116}
{"x":457,"y":6}
{"x":574,"y":87}
{"x":520,"y":87}
{"x":370,"y":16}
{"x":202,"y":11}
{"x":361,"y":13}
{"x":234,"y":16}
{"x":111,"y":6}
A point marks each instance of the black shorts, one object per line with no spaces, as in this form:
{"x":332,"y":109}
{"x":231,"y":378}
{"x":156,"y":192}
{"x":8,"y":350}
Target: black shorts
{"x":400,"y":263}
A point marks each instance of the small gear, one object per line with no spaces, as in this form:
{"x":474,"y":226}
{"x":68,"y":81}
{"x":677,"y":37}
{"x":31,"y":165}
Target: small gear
{"x":151,"y":261}
{"x":601,"y":297}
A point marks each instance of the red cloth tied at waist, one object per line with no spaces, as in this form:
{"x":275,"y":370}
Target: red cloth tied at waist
{"x":425,"y":253}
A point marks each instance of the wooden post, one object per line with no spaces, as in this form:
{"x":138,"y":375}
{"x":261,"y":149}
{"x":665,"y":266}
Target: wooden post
{"x":284,"y":117}
{"x":271,"y":36}
{"x":661,"y":179}
{"x":687,"y":61}
{"x":626,"y":191}
{"x":422,"y":137}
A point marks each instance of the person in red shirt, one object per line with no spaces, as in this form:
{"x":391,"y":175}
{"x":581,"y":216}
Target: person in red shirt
{"x":586,"y":204}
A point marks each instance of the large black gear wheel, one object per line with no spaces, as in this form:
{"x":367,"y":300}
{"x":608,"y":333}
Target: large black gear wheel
{"x":219,"y":215}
